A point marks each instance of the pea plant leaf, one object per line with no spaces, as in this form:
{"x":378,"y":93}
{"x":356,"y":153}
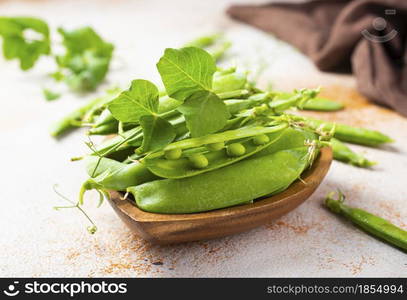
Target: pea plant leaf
{"x":185,"y":71}
{"x":86,"y":60}
{"x":25,"y":39}
{"x":139,"y":100}
{"x":157,"y":133}
{"x":204,"y":113}
{"x":50,"y":95}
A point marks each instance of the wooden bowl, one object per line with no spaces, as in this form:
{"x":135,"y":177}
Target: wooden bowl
{"x":179,"y":228}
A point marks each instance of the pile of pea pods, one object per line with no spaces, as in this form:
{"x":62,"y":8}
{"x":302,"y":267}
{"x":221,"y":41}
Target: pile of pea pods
{"x":260,"y":152}
{"x":264,"y":146}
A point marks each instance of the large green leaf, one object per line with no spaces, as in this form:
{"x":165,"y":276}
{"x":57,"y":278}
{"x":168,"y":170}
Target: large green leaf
{"x":204,"y":113}
{"x":186,"y":71}
{"x":157,"y":133}
{"x":140,"y":100}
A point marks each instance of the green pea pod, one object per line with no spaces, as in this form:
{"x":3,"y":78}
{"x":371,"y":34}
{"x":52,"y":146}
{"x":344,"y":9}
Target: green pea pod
{"x":203,"y":41}
{"x":219,"y":51}
{"x":105,"y":129}
{"x":134,"y":137}
{"x":236,"y":105}
{"x":346,"y":133}
{"x":182,"y":167}
{"x":372,"y":224}
{"x":72,"y":119}
{"x":117,"y":178}
{"x":228,"y":82}
{"x":223,"y":187}
{"x":234,"y":94}
{"x":344,"y":153}
{"x":322,"y":104}
{"x":95,"y":110}
{"x":105,"y":117}
{"x":221,"y":137}
{"x":284,"y":101}
{"x":166,"y":110}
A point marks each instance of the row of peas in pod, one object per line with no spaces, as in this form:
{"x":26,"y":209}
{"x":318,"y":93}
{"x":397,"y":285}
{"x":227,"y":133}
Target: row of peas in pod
{"x":211,"y":139}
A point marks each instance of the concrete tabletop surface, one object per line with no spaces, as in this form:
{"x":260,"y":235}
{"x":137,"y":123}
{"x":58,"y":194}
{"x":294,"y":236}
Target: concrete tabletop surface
{"x":36,"y":240}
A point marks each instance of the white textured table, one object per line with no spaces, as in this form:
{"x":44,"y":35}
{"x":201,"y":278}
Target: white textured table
{"x":35,"y":240}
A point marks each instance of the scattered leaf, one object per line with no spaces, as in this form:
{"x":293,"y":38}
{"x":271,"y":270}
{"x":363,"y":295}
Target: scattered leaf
{"x":25,"y":39}
{"x":157,"y":133}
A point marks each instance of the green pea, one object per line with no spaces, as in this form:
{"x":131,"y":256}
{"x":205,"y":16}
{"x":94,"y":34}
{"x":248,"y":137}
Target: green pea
{"x":261,"y":139}
{"x":215,"y":146}
{"x":105,"y":129}
{"x":198,"y":161}
{"x":235,"y":149}
{"x":173,"y":154}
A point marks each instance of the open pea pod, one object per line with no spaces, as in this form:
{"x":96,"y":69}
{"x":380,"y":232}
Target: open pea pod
{"x":291,"y":138}
{"x":204,"y":159}
{"x":223,"y":187}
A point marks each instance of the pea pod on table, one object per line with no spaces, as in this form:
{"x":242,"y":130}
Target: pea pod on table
{"x":344,"y":153}
{"x":370,"y":223}
{"x":322,"y":104}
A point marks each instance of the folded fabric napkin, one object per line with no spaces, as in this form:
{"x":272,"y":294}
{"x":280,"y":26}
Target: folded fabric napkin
{"x":368,"y":37}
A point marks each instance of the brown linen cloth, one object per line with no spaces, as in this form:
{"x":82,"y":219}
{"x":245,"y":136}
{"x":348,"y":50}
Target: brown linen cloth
{"x":330,"y":33}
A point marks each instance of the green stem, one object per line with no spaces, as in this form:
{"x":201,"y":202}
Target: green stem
{"x":370,"y":223}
